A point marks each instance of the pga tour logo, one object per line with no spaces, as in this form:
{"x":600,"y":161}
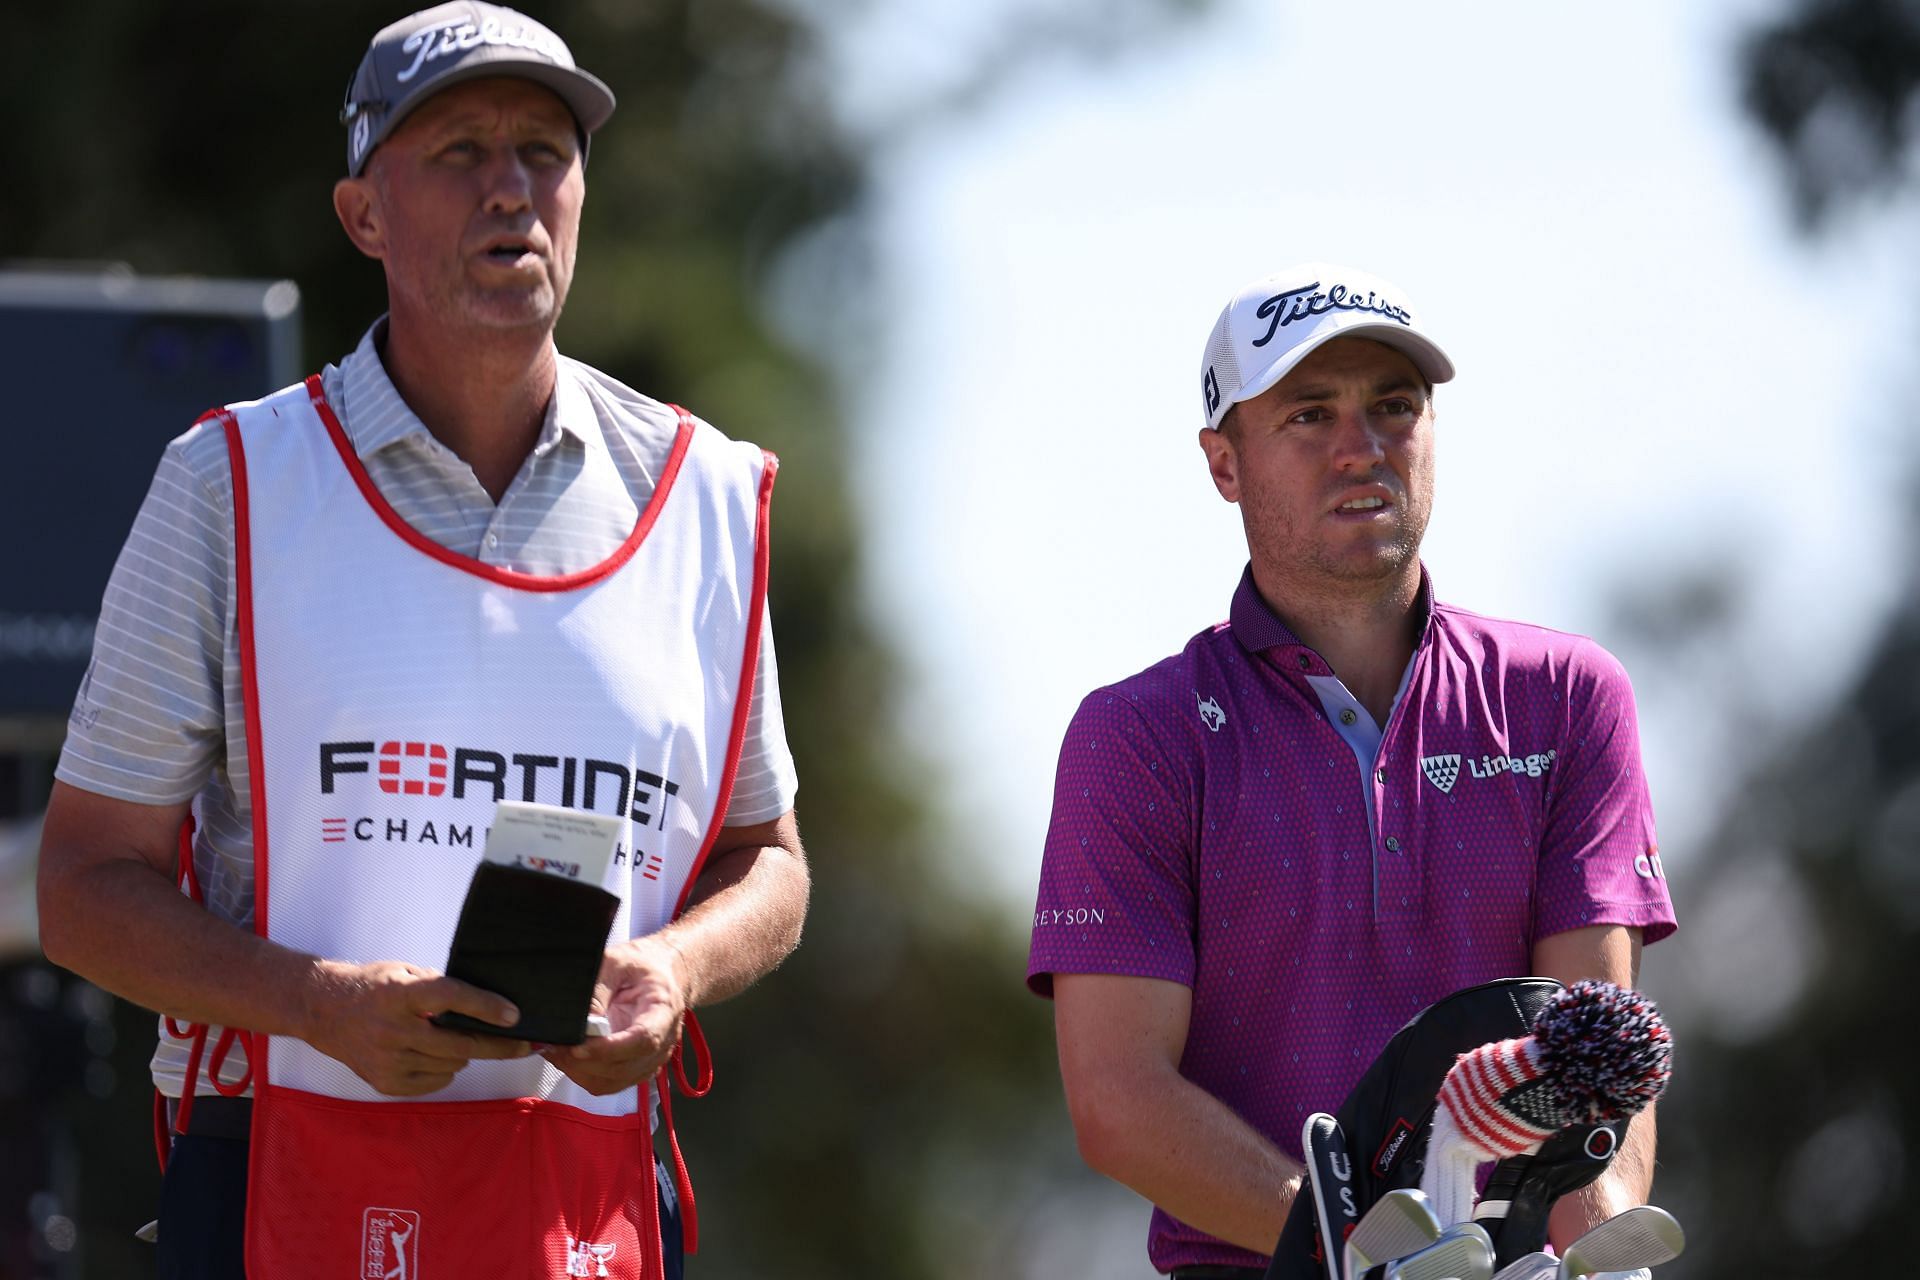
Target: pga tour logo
{"x":390,"y":1244}
{"x":584,"y":1258}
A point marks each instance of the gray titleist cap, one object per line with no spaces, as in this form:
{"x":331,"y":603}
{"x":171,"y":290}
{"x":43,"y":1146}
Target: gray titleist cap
{"x":435,"y":48}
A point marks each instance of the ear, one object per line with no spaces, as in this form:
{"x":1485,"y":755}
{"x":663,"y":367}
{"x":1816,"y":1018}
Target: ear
{"x":357,"y":205}
{"x":1223,"y":462}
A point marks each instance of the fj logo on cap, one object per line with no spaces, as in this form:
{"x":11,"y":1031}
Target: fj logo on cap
{"x":1211,"y":386}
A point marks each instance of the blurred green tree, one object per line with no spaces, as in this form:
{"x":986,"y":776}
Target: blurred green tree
{"x":1789,"y":1144}
{"x":881,"y":1094}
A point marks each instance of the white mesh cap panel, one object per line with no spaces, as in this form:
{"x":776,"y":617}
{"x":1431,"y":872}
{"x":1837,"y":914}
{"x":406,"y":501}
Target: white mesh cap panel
{"x":1220,"y":372}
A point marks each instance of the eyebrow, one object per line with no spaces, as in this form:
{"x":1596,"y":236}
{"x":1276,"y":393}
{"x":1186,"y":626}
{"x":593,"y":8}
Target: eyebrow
{"x":1388,"y":384}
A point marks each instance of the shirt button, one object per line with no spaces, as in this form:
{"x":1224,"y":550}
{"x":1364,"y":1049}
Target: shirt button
{"x":1346,"y":715}
{"x":1393,"y":844}
{"x":1379,"y":775}
{"x":493,"y":539}
{"x":1305,"y":662}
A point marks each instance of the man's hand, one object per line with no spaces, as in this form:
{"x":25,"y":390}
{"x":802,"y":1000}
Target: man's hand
{"x":373,"y":1017}
{"x":643,"y":993}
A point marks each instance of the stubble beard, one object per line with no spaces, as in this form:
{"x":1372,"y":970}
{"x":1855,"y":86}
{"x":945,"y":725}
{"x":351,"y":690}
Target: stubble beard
{"x":1311,"y":568}
{"x":509,"y":308}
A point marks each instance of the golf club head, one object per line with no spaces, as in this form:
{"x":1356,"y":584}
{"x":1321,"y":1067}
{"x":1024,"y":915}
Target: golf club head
{"x":1533,"y":1266}
{"x":1330,"y":1183}
{"x":1385,"y":1116}
{"x":1644,"y":1236}
{"x":1463,"y":1252}
{"x":1521,"y":1194}
{"x":1400,"y":1222}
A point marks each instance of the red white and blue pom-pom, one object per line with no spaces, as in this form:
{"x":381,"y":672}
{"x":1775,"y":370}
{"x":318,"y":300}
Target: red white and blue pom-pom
{"x":1605,"y":1050}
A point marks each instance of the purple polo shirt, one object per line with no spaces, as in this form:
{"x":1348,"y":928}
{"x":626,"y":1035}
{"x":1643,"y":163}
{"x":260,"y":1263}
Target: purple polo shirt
{"x":1212,"y":826}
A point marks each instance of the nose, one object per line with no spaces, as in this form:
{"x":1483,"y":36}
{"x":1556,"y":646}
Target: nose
{"x":1357,"y":441}
{"x":509,"y":186}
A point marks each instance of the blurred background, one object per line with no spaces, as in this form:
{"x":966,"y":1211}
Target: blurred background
{"x":955,"y":264}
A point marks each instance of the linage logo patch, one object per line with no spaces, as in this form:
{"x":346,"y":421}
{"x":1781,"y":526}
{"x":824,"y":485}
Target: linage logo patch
{"x":1444,"y":770}
{"x":430,"y":43}
{"x":1304,"y":304}
{"x":1441,"y":771}
{"x":390,"y":1244}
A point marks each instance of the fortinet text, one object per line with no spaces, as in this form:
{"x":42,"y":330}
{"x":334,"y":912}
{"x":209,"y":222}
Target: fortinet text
{"x":430,"y":769}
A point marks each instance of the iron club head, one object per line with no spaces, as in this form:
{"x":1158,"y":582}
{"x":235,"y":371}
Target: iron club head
{"x":1463,"y":1252}
{"x":1532,"y":1266}
{"x":1400,"y":1222}
{"x":1644,"y":1236}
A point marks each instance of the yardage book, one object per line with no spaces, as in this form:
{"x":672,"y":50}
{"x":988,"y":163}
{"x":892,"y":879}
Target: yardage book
{"x":535,"y":922}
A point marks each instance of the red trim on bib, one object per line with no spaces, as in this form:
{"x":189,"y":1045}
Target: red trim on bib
{"x":692,"y":1035}
{"x":750,"y":660}
{"x":249,"y":666}
{"x":479,"y":568}
{"x":195,"y":1033}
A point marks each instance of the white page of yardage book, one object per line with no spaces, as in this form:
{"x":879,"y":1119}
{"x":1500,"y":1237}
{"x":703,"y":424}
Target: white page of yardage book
{"x":569,"y":843}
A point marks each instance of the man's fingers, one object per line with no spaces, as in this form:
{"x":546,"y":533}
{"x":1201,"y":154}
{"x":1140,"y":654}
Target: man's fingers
{"x":450,"y":995}
{"x":642,"y":1039}
{"x":439,"y":1044}
{"x":494,"y":1047}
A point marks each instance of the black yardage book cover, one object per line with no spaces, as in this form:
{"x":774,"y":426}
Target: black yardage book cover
{"x":535,"y":922}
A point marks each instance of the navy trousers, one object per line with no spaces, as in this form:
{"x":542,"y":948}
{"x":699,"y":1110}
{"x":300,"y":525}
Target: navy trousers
{"x":203,"y":1212}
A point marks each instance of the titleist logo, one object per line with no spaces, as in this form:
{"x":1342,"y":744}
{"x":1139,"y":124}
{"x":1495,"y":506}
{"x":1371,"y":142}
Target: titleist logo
{"x":1305,"y":303}
{"x":430,"y":43}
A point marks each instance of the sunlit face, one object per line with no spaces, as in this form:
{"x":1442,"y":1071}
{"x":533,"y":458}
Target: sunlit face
{"x":473,"y":206}
{"x":1332,"y":468}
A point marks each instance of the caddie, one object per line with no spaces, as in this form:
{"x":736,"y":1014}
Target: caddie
{"x":453,"y":569}
{"x":1270,"y":850}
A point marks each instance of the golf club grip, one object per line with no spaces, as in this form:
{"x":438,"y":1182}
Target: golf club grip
{"x":1293,"y":1256}
{"x":1328,"y":1195}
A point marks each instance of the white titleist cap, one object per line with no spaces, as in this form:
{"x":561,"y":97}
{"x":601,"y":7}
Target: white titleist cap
{"x":1272,"y":324}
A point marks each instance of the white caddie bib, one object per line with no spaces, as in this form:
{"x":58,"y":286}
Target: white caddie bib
{"x":396,"y":691}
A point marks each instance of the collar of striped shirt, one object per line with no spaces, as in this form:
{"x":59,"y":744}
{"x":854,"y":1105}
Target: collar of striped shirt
{"x":374,"y":415}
